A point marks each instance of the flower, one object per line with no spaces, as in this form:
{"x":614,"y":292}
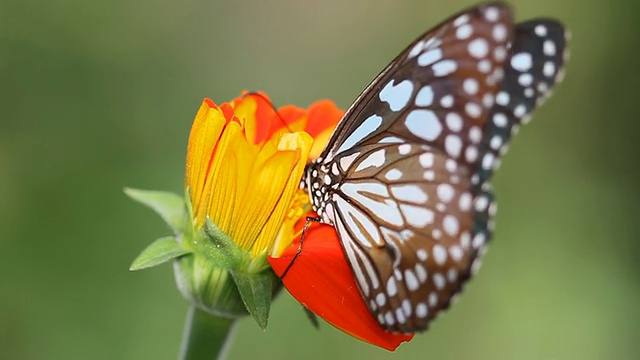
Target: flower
{"x":244,"y":164}
{"x":244,"y":217}
{"x":243,"y":170}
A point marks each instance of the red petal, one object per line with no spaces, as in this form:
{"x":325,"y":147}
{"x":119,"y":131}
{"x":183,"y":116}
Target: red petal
{"x":322,"y":281}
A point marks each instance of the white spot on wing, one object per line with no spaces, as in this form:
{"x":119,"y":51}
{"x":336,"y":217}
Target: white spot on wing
{"x":368,"y":126}
{"x":464,"y":31}
{"x":470,"y":86}
{"x":375,"y":198}
{"x":522,"y":61}
{"x":397,"y":96}
{"x":438,"y":281}
{"x":350,"y":249}
{"x":445,"y":192}
{"x":392,"y":289}
{"x":346,"y":161}
{"x":499,"y":32}
{"x":453,"y":145}
{"x":417,"y":48}
{"x":478,"y":48}
{"x":429,"y":57}
{"x":424,"y":96}
{"x":444,"y":67}
{"x":456,"y":253}
{"x":357,"y":222}
{"x":439,"y":254}
{"x":421,"y":310}
{"x":417,"y":216}
{"x":409,"y":193}
{"x":404,"y":149}
{"x":393,"y":175}
{"x":454,"y":121}
{"x":424,"y":124}
{"x":451,"y":225}
{"x":549,"y":48}
{"x":426,"y":160}
{"x":411,"y":280}
{"x":375,"y":159}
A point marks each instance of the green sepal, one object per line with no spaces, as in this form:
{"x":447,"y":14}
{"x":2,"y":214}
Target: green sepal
{"x":218,"y":247}
{"x":169,"y":206}
{"x":256,"y":292}
{"x":159,"y":252}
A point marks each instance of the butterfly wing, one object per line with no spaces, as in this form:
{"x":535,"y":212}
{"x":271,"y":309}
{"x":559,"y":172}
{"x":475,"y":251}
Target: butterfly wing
{"x":409,"y":163}
{"x":536,"y":64}
{"x":447,"y":77}
{"x":410,"y":230}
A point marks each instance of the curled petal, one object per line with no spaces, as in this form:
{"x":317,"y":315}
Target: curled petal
{"x":254,"y":111}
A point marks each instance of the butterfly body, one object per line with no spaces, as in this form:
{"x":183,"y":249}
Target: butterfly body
{"x":405,"y":178}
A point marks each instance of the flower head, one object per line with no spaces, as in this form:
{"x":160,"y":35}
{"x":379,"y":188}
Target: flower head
{"x":244,"y":164}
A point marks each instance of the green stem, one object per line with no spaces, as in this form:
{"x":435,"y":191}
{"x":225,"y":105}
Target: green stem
{"x":206,"y":337}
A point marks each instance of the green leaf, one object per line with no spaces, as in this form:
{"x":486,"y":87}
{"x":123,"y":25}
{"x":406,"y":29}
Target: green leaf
{"x":218,"y":246}
{"x":168,"y":205}
{"x":255,"y":290}
{"x":159,"y":252}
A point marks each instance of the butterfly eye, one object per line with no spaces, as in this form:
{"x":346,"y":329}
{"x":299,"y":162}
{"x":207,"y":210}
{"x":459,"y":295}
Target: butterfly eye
{"x":405,"y":178}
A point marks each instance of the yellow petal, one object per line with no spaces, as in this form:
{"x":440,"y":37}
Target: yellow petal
{"x":270,"y":194}
{"x":319,"y":143}
{"x":301,"y":142}
{"x":300,"y":205}
{"x":223,"y":179}
{"x":204,"y":135}
{"x":245,"y":111}
{"x":262,"y":197}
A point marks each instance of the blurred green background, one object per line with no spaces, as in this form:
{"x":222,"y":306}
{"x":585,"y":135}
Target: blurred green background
{"x":95,"y":96}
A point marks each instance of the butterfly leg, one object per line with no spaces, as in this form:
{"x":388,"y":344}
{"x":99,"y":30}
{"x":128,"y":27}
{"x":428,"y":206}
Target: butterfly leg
{"x":312,"y":317}
{"x":304,"y":232}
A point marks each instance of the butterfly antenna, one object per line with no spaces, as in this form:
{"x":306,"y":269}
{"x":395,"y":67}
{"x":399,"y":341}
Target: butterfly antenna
{"x":299,"y":251}
{"x":261,"y":96}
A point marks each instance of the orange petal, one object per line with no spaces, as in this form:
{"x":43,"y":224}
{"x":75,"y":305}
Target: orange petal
{"x":291,"y":117}
{"x":322,"y":281}
{"x":323,"y":115}
{"x":322,"y":119}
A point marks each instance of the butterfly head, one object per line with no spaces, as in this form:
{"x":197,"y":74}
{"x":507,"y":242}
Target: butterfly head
{"x":316,"y":180}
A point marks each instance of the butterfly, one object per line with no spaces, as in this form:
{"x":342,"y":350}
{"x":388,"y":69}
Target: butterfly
{"x":405,"y":177}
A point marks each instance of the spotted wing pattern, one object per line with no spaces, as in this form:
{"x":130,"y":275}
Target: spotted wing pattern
{"x":405,"y":177}
{"x":448,"y":76}
{"x":535,"y":65}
